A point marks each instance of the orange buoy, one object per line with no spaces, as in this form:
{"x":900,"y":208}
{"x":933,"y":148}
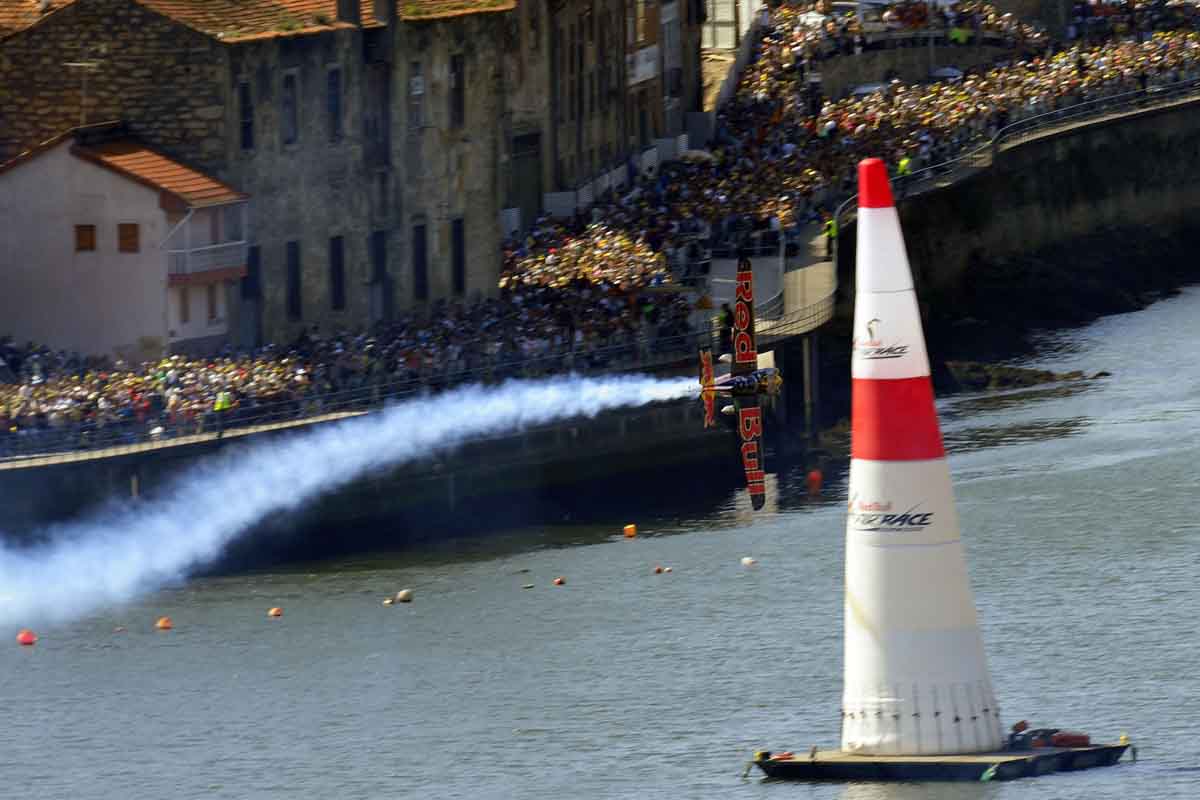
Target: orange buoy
{"x":815,"y":479}
{"x":26,"y":637}
{"x":164,"y":624}
{"x":275,"y":611}
{"x":559,"y":581}
{"x":658,"y":570}
{"x":630,"y":531}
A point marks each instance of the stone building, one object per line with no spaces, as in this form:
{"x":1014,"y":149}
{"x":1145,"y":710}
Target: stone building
{"x":386,"y":150}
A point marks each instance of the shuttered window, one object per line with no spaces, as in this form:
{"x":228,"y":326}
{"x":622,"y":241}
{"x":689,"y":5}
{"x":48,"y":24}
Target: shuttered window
{"x":128,"y":237}
{"x":85,"y":238}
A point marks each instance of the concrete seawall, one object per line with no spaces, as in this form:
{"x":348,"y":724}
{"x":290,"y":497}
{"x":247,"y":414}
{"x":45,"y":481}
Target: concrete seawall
{"x":1060,"y":228}
{"x":551,"y":458}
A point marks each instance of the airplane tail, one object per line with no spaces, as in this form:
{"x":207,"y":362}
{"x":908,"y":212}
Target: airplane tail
{"x":707,"y":393}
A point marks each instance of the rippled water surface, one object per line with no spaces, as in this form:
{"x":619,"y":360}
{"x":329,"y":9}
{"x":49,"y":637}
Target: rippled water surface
{"x":1077,"y":504}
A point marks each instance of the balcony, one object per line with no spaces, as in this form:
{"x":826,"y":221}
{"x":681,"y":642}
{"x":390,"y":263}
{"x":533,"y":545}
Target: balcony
{"x":208,"y":264}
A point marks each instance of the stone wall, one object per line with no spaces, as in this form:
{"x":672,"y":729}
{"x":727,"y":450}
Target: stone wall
{"x":451,"y":172}
{"x":320,"y":186}
{"x":586,"y":64}
{"x":162,"y":77}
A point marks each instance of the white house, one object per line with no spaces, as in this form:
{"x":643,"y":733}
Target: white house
{"x":110,"y":247}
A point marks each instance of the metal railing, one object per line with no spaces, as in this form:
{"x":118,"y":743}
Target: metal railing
{"x":226,"y":255}
{"x":129,"y":432}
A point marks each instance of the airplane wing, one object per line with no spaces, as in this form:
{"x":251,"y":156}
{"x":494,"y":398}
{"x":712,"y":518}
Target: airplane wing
{"x":707,"y":393}
{"x":749,"y":424}
{"x":745,"y":348}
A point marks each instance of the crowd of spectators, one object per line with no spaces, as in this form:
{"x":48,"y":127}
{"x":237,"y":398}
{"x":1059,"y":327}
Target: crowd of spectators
{"x":596,"y":290}
{"x":47,"y":395}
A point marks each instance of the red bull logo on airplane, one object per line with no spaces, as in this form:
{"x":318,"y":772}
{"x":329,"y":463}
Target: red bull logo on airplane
{"x":744,"y":351}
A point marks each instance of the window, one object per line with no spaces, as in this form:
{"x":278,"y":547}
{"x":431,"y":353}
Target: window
{"x":458,"y":106}
{"x":212,"y":302}
{"x":85,"y":238}
{"x":458,"y":256}
{"x":233,"y":222}
{"x":294,"y":307}
{"x":246,"y":115}
{"x":420,"y":264}
{"x":378,"y":245}
{"x":185,"y":306}
{"x":333,"y":105}
{"x":290,"y":115}
{"x":416,"y":96}
{"x":127,"y":237}
{"x":337,"y":274}
{"x":252,"y":283}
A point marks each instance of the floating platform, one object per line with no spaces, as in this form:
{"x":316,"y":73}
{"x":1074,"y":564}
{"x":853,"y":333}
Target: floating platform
{"x":834,"y":765}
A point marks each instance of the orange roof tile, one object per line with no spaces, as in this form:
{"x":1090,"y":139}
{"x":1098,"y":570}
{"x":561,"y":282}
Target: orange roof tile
{"x":17,"y":15}
{"x":418,"y":10}
{"x":150,"y":167}
{"x":232,"y":20}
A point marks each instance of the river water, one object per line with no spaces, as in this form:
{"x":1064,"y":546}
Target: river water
{"x":1077,"y":504}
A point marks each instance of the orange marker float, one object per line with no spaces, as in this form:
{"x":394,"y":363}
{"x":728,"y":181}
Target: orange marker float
{"x":26,"y":637}
{"x":164,"y":624}
{"x":275,"y":611}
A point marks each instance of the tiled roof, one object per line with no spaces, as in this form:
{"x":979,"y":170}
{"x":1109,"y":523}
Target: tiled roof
{"x":231,"y":20}
{"x":150,"y":167}
{"x":417,"y":10}
{"x":16,"y":15}
{"x":238,"y":19}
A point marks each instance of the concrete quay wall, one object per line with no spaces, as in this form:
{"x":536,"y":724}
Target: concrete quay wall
{"x":1034,"y":237}
{"x":578,"y":451}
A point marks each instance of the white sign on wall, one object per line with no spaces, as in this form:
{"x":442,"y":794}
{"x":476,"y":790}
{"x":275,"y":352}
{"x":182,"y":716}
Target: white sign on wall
{"x":642,"y":66}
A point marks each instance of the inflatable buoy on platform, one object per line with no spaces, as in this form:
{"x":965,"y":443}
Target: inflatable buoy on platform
{"x":747,"y":561}
{"x":164,"y":624}
{"x":560,"y":581}
{"x":630,"y":531}
{"x":404,"y":596}
{"x":275,"y":611}
{"x":26,"y":637}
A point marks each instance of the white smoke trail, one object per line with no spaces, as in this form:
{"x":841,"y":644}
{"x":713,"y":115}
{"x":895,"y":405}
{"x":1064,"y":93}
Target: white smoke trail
{"x":110,"y":559}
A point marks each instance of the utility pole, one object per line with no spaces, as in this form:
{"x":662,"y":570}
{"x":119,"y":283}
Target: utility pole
{"x":85,"y":67}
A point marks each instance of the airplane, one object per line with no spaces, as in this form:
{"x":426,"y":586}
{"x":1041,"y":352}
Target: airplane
{"x":745,"y":383}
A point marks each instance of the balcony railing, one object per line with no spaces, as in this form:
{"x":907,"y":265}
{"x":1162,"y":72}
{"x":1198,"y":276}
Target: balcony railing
{"x":210,"y":258}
